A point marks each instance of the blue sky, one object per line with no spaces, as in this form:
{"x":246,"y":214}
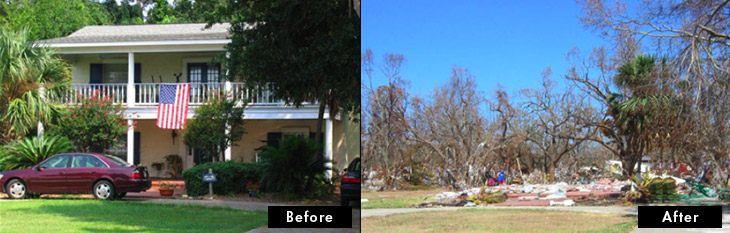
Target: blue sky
{"x":503,"y":42}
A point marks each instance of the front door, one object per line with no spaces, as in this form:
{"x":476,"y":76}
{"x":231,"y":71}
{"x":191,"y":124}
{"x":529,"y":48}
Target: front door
{"x":52,"y":177}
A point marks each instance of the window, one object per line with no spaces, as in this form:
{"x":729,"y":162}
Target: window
{"x":355,"y":166}
{"x":114,"y":73}
{"x":118,"y":161}
{"x":86,"y":161}
{"x":61,"y":161}
{"x":203,"y":73}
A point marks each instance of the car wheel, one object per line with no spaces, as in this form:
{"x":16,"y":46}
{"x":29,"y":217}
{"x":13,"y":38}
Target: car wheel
{"x":120,"y":195}
{"x":344,"y":201}
{"x":16,"y":189}
{"x":103,"y":190}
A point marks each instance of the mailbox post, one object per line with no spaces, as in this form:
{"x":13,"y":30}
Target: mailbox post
{"x":209,"y":178}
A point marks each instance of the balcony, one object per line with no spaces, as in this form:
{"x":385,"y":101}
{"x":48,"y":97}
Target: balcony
{"x":147,"y":94}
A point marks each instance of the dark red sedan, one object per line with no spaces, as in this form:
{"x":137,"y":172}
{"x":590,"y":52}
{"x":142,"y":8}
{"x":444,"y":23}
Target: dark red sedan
{"x":105,"y":176}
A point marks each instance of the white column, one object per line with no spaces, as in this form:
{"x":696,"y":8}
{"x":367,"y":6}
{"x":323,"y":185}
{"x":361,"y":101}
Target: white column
{"x":130,"y":80}
{"x":42,"y":96}
{"x":227,"y":152}
{"x":130,"y":142}
{"x":229,"y":96}
{"x":328,"y":147}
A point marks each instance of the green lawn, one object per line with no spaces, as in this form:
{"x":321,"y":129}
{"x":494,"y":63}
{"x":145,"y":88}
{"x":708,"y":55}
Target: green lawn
{"x":122,"y":216}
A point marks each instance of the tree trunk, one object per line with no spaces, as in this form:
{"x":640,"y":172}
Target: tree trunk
{"x":551,"y":171}
{"x":320,"y":118}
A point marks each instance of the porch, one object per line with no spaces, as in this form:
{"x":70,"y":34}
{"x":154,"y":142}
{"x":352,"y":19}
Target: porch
{"x":147,"y":94}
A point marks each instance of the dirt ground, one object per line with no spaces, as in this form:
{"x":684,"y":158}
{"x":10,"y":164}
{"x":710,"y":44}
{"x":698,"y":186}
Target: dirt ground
{"x":374,"y":196}
{"x":498,"y":221}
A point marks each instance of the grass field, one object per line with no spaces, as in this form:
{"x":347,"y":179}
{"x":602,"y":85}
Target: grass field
{"x":397,"y":199}
{"x":499,"y":221}
{"x":121,"y":216}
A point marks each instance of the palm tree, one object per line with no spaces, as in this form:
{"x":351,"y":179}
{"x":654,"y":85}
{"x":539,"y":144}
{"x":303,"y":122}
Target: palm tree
{"x":25,"y":68}
{"x":637,"y":110}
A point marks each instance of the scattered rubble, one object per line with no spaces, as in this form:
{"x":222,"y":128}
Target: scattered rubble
{"x":560,"y":194}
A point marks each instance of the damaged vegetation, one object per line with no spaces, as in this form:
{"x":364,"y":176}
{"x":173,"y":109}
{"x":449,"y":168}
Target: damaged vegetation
{"x":623,"y":113}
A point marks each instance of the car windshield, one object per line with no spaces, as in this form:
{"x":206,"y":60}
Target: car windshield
{"x":118,"y":161}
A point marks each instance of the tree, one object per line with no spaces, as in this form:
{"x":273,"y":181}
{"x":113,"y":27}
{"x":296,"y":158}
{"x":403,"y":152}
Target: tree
{"x":632,"y":113}
{"x":161,"y":13}
{"x":124,"y":13}
{"x":185,"y":11}
{"x":43,"y":17}
{"x":24,"y":68}
{"x":308,"y":49}
{"x":695,"y":37}
{"x":94,"y":125}
{"x":557,"y":131}
{"x":386,"y":141}
{"x":454,"y":130}
{"x":207,"y":131}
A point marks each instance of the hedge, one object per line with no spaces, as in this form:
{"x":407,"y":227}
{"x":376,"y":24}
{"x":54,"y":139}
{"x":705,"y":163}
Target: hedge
{"x":231,"y":177}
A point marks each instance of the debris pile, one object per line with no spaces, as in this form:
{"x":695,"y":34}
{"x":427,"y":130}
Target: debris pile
{"x":557,"y":194}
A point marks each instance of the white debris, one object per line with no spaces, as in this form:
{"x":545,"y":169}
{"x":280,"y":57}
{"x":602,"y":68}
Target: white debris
{"x":563,"y":203}
{"x":445,"y":195}
{"x":363,"y":200}
{"x":470,"y":204}
{"x":557,"y":195}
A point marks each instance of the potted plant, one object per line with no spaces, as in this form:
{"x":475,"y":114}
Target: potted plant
{"x":253,"y":189}
{"x":158,"y":166}
{"x":167,"y":189}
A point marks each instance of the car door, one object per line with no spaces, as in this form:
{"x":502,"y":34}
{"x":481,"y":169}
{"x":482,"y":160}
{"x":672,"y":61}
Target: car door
{"x":51,"y":177}
{"x":85,"y":169}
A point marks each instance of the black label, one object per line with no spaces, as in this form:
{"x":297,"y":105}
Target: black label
{"x":310,"y":217}
{"x":680,"y":216}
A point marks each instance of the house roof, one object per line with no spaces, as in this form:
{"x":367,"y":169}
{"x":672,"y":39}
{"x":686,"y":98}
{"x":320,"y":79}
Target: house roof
{"x":146,"y":32}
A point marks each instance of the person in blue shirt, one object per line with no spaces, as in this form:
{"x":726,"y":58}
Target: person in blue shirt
{"x":500,"y":177}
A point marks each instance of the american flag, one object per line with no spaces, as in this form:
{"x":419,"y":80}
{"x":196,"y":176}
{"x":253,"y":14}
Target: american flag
{"x":172,"y":112}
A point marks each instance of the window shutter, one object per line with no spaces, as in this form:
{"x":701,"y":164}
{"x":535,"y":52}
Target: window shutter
{"x":272,"y":139}
{"x":95,"y":73}
{"x":137,"y":73}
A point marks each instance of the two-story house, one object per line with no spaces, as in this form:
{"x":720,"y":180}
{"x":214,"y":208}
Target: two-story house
{"x":130,"y":62}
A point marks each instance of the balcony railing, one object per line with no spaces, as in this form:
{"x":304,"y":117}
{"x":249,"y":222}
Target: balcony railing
{"x":148,"y":93}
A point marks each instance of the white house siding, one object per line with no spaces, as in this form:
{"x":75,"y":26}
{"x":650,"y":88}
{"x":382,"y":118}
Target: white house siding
{"x":155,"y":143}
{"x":165,"y":64}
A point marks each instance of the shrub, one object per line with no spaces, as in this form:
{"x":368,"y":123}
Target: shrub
{"x":232,"y":177}
{"x":94,"y":125}
{"x":207,"y":131}
{"x":28,"y":152}
{"x":295,"y":169}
